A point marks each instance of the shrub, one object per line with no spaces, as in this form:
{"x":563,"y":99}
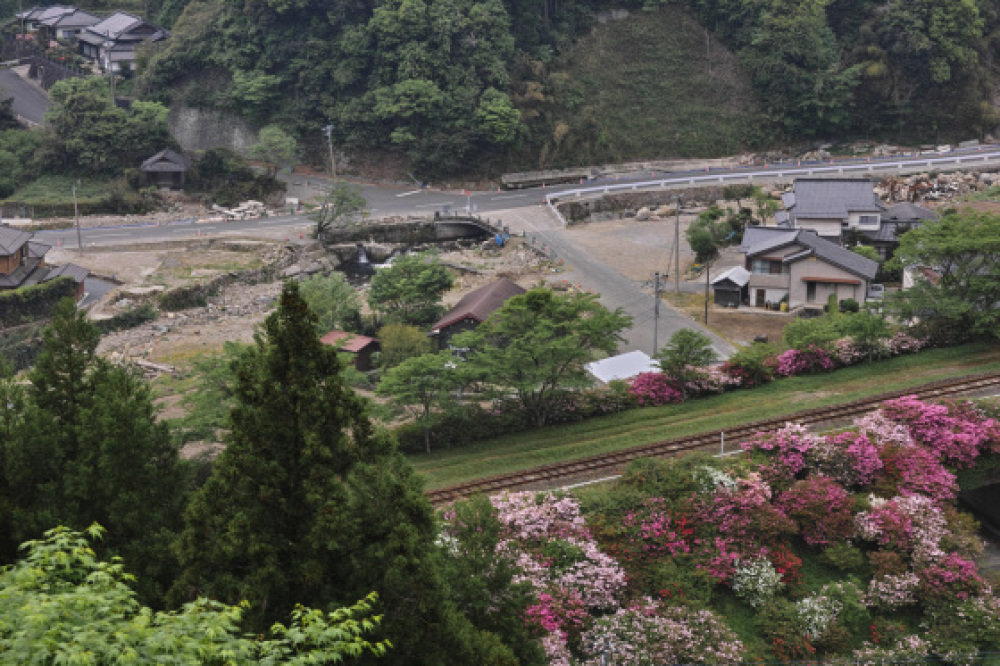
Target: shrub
{"x":28,"y":304}
{"x":652,"y":389}
{"x":752,"y":365}
{"x":845,"y":557}
{"x":849,"y":305}
{"x":806,"y":361}
{"x":756,"y":581}
{"x":648,"y":634}
{"x":130,"y":318}
{"x":822,"y":509}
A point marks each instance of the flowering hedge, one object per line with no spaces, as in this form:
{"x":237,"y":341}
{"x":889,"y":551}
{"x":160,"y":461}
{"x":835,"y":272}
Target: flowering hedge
{"x":651,"y":389}
{"x":876,"y":500}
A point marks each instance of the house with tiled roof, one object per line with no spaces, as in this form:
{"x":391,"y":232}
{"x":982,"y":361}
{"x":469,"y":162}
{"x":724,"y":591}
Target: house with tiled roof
{"x":473,"y":309}
{"x":896,"y":220}
{"x":112,"y":43}
{"x":359,"y":347}
{"x":803,"y":268}
{"x":829,"y":206}
{"x":22,"y":262}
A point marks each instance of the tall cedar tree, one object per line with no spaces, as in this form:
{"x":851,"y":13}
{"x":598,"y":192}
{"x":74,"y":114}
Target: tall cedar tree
{"x":309,"y":505}
{"x":87,"y":448}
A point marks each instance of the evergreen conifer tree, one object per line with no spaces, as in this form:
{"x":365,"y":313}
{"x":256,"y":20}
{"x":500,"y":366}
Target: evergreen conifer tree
{"x":309,"y":504}
{"x":87,"y":448}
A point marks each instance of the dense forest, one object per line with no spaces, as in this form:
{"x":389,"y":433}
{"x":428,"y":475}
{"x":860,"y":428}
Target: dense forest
{"x":488,"y":83}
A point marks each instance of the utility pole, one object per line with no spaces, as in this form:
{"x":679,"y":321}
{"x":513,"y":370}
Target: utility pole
{"x":677,"y":248}
{"x":76,"y":219}
{"x":328,"y":131}
{"x":708,"y":271}
{"x":656,"y":311}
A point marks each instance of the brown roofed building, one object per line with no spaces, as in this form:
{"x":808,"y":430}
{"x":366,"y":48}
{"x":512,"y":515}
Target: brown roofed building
{"x":474,"y":308}
{"x":166,"y":169}
{"x":360,"y":347}
{"x":22,"y":262}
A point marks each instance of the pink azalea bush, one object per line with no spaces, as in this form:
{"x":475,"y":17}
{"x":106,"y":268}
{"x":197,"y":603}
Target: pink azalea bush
{"x":651,"y":635}
{"x":653,"y":531}
{"x":788,"y":449}
{"x":821,"y":508}
{"x":806,"y":361}
{"x":951,"y":577}
{"x":890,"y":592}
{"x":652,"y":389}
{"x":851,"y":458}
{"x":956,"y":433}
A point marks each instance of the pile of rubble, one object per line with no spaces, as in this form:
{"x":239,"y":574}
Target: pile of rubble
{"x":935,"y":187}
{"x":245,"y":211}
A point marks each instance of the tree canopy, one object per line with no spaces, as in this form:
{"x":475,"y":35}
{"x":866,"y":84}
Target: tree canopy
{"x":686,"y":353}
{"x":85,"y":446}
{"x":536,"y":345}
{"x":409,"y":290}
{"x":61,"y":603}
{"x":955,"y":263}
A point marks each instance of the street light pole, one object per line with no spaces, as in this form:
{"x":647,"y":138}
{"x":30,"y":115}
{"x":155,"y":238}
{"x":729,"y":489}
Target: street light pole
{"x":328,"y":131}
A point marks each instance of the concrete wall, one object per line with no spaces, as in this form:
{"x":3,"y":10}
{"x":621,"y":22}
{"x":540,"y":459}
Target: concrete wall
{"x":201,"y":129}
{"x":814,"y":268}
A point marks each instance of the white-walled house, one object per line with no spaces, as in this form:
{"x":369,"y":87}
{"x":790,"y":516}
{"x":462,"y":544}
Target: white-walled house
{"x":800,"y":266}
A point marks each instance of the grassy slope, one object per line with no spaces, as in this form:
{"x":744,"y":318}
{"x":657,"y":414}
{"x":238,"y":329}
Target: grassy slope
{"x":637,"y":427}
{"x":644,"y":87}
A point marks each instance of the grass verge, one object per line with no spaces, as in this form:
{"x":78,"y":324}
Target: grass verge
{"x":521,"y":451}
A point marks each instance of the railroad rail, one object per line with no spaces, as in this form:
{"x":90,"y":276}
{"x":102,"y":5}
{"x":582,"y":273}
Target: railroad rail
{"x":556,"y":474}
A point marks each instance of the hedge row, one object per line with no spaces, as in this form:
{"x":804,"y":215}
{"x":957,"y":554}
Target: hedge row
{"x":28,"y":304}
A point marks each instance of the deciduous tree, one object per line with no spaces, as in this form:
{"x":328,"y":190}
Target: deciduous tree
{"x":685,"y":355}
{"x":955,"y":262}
{"x":62,"y":604}
{"x":536,"y":345}
{"x":420,"y":384}
{"x":410,"y":290}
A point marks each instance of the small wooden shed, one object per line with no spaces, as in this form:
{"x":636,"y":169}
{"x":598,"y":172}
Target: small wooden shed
{"x":730,"y":288}
{"x":166,"y":169}
{"x":360,"y":347}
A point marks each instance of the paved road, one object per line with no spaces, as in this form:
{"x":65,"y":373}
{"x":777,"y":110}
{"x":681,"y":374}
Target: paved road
{"x":29,"y":102}
{"x":527,"y":210}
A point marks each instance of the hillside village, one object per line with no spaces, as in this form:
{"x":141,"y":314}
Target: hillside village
{"x":431,"y":355}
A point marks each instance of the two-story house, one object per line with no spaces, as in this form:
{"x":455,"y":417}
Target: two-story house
{"x":22,"y":262}
{"x":803,"y":268}
{"x":112,"y":42}
{"x":829,"y":206}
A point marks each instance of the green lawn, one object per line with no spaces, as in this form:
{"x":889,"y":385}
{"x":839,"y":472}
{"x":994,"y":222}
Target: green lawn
{"x":643,"y":426}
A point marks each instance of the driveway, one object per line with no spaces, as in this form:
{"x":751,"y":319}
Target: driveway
{"x":586,"y":268}
{"x":29,"y":102}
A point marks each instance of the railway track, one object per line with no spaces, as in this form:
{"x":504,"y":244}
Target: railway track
{"x":607,"y":464}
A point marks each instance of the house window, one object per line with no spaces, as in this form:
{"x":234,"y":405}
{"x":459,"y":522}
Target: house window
{"x":765,"y":267}
{"x":810,"y":292}
{"x":869,"y":220}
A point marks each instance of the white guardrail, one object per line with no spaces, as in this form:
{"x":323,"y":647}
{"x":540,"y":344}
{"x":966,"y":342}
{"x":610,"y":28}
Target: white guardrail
{"x":779,"y":172}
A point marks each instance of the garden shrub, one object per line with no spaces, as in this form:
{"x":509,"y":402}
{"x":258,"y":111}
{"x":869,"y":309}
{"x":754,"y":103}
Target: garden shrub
{"x":130,"y":318}
{"x":28,"y":304}
{"x":846,"y":557}
{"x":822,"y":509}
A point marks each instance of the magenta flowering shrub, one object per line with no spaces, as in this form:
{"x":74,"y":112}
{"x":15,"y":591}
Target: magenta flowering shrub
{"x":851,"y":458}
{"x":806,"y":361}
{"x":919,"y":472}
{"x":652,"y":531}
{"x":956,"y":433}
{"x":711,"y":381}
{"x":652,"y":389}
{"x":788,"y":449}
{"x":879,"y":428}
{"x":821,"y":508}
{"x":650,"y":635}
{"x":557,"y":611}
{"x":914,"y":525}
{"x":952,"y":577}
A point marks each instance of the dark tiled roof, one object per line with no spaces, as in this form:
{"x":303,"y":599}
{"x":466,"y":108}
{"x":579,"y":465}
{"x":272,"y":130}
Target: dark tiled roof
{"x":811,"y":244}
{"x":833,"y":198}
{"x":11,"y":240}
{"x":481,"y":303}
{"x":908,"y":212}
{"x":166,"y":160}
{"x":37,"y":250}
{"x":77,"y":18}
{"x":78,"y":273}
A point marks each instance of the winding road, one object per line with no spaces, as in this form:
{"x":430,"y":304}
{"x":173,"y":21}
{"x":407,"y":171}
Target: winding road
{"x":29,"y":102}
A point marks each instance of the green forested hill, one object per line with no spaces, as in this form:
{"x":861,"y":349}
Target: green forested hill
{"x":500,"y":84}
